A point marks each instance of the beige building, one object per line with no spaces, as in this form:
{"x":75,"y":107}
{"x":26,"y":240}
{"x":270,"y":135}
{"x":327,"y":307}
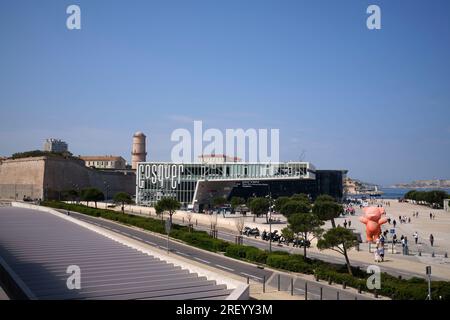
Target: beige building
{"x":351,"y":186}
{"x":218,"y":158}
{"x":55,"y":145}
{"x":104,"y":162}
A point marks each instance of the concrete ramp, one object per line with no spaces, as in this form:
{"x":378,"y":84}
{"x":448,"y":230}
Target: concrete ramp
{"x":37,"y":248}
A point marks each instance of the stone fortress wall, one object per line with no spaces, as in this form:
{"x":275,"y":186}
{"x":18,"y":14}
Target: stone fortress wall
{"x":22,"y":177}
{"x":42,"y":177}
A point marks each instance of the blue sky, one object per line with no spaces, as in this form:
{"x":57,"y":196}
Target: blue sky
{"x":374,"y":102}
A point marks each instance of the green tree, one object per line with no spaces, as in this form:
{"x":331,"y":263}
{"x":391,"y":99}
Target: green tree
{"x":327,"y":210}
{"x":122,"y":198}
{"x":219,"y":201}
{"x":436,"y":197}
{"x":279,"y":202}
{"x":307,"y":225}
{"x":169,"y":205}
{"x":92,"y":194}
{"x":325,"y":197}
{"x":41,"y":153}
{"x":301,"y":197}
{"x":410,"y":195}
{"x":432,"y":197}
{"x":260,"y":206}
{"x":294,"y":206}
{"x":236,"y":202}
{"x":288,"y":234}
{"x":339,"y":239}
{"x":71,"y":194}
{"x":159,"y":210}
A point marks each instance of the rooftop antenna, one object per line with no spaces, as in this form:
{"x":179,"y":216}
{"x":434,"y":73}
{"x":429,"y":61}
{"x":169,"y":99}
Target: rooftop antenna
{"x":302,"y":155}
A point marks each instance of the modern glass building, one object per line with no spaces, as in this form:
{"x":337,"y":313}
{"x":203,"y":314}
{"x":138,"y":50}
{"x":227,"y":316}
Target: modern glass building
{"x":196,"y":184}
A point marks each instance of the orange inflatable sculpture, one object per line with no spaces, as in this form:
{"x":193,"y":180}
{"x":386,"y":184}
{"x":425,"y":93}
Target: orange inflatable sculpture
{"x":373,"y":221}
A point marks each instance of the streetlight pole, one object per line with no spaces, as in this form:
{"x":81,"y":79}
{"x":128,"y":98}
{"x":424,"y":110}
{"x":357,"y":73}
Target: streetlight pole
{"x":270,"y":218}
{"x":270,"y":232}
{"x":428,"y":272}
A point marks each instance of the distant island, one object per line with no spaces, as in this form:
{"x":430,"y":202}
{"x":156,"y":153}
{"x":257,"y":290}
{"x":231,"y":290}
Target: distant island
{"x":417,"y":184}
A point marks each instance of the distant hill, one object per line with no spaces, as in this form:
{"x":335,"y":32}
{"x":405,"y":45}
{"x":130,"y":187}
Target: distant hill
{"x":355,"y":186}
{"x":437,"y":183}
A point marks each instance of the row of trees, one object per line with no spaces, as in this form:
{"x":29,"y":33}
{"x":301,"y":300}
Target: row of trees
{"x":433,"y":197}
{"x":41,"y":153}
{"x":305,"y":220}
{"x":95,"y":195}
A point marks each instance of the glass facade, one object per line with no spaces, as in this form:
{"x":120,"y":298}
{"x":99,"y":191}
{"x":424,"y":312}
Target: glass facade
{"x":180,"y":181}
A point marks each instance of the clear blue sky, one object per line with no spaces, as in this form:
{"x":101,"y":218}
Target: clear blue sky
{"x":374,"y":102}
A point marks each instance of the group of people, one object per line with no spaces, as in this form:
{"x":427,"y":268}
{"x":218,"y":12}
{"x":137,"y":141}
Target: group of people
{"x":349,"y":210}
{"x":432,"y":215}
{"x":349,"y":223}
{"x":386,"y":203}
{"x":404,"y":239}
{"x":404,"y":219}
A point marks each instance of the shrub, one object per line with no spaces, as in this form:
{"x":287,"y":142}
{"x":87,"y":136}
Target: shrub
{"x":236,"y":251}
{"x":256,"y":255}
{"x":294,"y":263}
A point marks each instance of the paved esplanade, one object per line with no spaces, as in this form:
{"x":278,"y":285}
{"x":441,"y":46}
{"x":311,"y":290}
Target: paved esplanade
{"x":395,"y":264}
{"x":38,"y":247}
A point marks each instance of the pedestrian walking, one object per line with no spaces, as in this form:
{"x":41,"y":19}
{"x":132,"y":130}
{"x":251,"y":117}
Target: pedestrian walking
{"x":377,"y":257}
{"x":349,"y":223}
{"x":432,"y":240}
{"x":345,"y":223}
{"x":416,"y":237}
{"x":406,"y":246}
{"x":394,"y":223}
{"x":381,"y":252}
{"x":431,"y":216}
